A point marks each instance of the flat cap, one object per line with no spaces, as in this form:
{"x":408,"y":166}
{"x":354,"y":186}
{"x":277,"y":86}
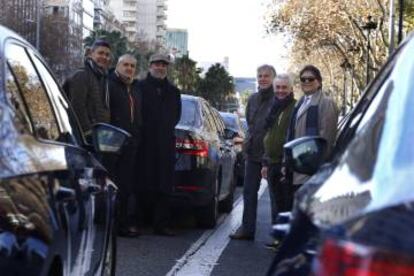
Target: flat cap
{"x":160,"y":57}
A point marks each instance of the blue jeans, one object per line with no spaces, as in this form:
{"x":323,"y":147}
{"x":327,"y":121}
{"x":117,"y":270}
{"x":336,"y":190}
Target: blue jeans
{"x":252,"y":178}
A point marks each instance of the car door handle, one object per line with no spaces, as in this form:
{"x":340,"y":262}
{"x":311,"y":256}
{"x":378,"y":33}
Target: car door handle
{"x":65,"y":194}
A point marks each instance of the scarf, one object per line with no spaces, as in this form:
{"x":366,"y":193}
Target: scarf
{"x":124,"y":78}
{"x":277,"y":108}
{"x":102,"y":75}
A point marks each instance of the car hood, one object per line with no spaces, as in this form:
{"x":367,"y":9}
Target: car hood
{"x":342,"y":196}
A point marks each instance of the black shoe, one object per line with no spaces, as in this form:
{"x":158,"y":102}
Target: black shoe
{"x":165,"y":232}
{"x":130,"y":232}
{"x":240,"y":235}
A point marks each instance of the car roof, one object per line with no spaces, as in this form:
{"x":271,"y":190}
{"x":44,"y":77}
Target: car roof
{"x":190,"y":97}
{"x":6,"y":33}
{"x":228,"y":114}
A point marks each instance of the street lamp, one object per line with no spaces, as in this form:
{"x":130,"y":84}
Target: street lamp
{"x":369,"y":25}
{"x":345,"y":65}
{"x":400,"y":20}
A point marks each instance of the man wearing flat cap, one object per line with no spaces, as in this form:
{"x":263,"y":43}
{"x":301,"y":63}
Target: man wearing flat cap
{"x":161,"y":111}
{"x":87,"y":87}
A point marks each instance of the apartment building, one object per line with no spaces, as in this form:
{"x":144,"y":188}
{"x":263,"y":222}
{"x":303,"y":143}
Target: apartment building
{"x":105,"y":17}
{"x":176,"y":41}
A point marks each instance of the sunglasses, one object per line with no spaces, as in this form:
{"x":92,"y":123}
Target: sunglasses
{"x":307,"y":79}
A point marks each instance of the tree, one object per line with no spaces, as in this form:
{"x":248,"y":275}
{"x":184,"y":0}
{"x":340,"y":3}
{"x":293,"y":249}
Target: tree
{"x":217,"y":86}
{"x":185,"y":74}
{"x":329,"y":33}
{"x":61,"y":45}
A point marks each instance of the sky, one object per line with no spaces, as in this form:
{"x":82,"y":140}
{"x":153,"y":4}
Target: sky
{"x":232,"y":28}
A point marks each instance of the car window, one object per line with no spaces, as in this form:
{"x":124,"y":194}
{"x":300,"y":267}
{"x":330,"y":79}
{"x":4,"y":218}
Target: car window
{"x":218,"y":122}
{"x":361,"y":154}
{"x":211,"y":126}
{"x":190,"y":114}
{"x":58,"y":101}
{"x":348,"y":128}
{"x":20,"y":115}
{"x":33,"y":93}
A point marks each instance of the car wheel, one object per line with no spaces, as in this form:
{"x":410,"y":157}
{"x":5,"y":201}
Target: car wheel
{"x":207,"y":215}
{"x":109,"y":264}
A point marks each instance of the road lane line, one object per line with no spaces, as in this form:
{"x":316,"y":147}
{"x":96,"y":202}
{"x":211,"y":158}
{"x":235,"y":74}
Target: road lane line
{"x":201,"y":258}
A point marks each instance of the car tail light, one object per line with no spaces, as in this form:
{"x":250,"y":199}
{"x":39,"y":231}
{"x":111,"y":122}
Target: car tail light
{"x":344,"y":258}
{"x":190,"y":188}
{"x":192,"y":147}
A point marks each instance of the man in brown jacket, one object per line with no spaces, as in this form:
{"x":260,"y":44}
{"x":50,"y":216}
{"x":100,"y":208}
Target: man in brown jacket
{"x":314,"y":114}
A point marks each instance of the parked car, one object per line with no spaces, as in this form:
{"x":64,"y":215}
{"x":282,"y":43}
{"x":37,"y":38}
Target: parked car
{"x":205,"y":161}
{"x":237,"y":134}
{"x":56,"y":200}
{"x":356,"y":212}
{"x":244,"y":125}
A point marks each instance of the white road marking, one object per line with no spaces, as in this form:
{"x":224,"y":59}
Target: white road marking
{"x":201,"y":258}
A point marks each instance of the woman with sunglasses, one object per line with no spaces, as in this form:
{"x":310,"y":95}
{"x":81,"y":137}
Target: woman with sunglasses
{"x":315,"y":114}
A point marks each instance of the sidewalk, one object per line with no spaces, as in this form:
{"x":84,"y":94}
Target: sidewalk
{"x":249,"y":257}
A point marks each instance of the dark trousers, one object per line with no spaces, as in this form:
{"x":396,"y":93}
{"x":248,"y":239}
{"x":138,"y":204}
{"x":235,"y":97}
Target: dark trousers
{"x":161,"y":212}
{"x":126,"y":180}
{"x":252,"y":178}
{"x":155,"y":206}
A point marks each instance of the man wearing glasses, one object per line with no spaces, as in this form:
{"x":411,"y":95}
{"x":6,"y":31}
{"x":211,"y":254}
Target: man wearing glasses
{"x":315,"y":114}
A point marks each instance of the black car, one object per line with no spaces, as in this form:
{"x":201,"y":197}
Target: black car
{"x":235,"y":130}
{"x":356,"y":212}
{"x":56,"y":200}
{"x":205,"y":161}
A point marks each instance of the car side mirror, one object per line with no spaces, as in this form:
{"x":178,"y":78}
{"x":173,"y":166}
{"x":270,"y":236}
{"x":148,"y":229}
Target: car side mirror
{"x":108,"y":138}
{"x":306,"y":154}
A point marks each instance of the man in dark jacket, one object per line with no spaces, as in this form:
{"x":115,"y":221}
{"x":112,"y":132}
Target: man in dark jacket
{"x":161,"y":111}
{"x":257,"y":109}
{"x":277,"y":123}
{"x":87,"y":88}
{"x":125,"y":102}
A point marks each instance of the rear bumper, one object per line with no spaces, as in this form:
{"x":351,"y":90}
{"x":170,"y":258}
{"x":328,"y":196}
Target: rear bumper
{"x":194,"y":187}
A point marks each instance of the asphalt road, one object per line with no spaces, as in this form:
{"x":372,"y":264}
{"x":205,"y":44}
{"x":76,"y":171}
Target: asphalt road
{"x":197,"y":251}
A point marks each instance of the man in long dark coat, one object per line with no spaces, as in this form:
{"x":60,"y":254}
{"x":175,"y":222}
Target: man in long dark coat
{"x":161,"y":111}
{"x":125,"y":102}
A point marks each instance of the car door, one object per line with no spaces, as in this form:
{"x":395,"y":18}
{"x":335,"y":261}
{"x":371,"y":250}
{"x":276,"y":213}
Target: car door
{"x":52,"y":127}
{"x":228,"y":159}
{"x":94,"y":182}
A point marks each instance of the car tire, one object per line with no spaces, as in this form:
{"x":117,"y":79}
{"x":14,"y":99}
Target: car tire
{"x":207,"y":215}
{"x":109,"y":263}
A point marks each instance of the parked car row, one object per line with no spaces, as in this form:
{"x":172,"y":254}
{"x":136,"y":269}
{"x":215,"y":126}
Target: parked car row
{"x":56,"y":200}
{"x":355,"y":215}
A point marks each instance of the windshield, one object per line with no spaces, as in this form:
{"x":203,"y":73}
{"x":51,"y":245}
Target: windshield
{"x":190,"y":115}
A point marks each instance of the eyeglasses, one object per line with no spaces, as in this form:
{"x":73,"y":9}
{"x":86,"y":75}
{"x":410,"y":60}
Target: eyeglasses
{"x":307,"y":79}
